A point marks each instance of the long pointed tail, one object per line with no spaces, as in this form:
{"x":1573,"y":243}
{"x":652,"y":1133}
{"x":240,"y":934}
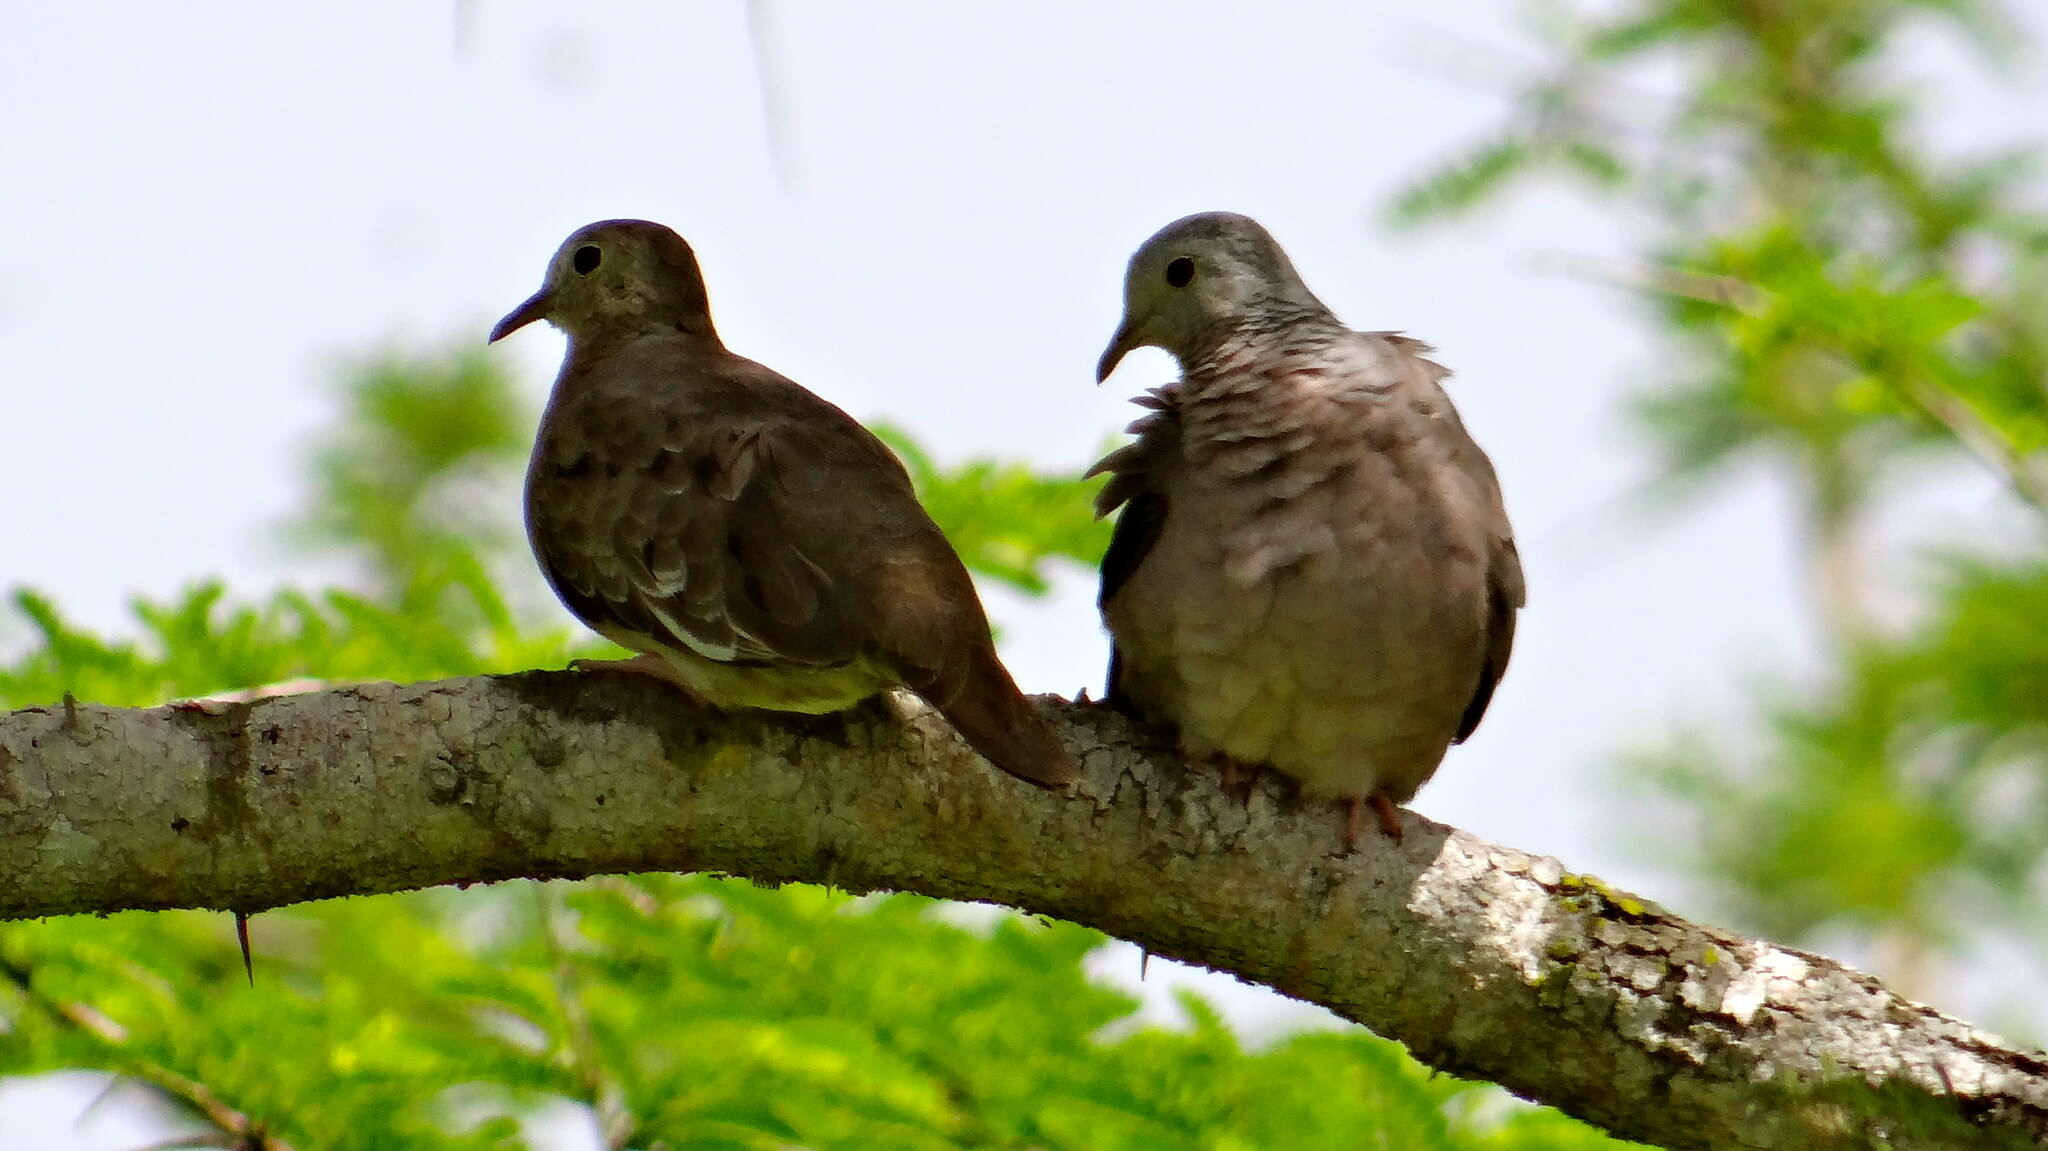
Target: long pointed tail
{"x":996,"y":719}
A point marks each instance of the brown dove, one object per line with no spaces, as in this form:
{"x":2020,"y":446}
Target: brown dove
{"x":1313,"y":569}
{"x":756,"y":545}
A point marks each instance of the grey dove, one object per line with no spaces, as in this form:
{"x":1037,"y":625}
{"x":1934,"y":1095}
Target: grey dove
{"x":1313,"y":569}
{"x":755,"y":544}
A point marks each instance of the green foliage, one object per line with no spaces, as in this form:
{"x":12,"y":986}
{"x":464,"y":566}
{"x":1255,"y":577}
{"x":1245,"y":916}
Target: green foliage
{"x":200,"y":642}
{"x":1835,"y":296}
{"x":1006,"y":520}
{"x":1465,"y":183}
{"x":405,"y":481}
{"x":1917,"y":768}
{"x":695,"y":1012}
{"x":681,"y":1012}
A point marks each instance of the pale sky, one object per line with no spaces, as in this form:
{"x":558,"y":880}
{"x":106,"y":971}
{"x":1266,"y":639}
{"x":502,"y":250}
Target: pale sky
{"x":209,"y":208}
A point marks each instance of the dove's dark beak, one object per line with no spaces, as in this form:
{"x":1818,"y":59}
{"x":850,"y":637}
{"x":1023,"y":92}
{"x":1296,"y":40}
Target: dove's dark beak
{"x":535,"y":307}
{"x":1120,"y":346}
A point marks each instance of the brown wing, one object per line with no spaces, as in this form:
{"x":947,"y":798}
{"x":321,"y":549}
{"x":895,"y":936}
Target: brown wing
{"x":1506,"y":591}
{"x":1505,"y":596}
{"x":1144,"y":508}
{"x":711,"y":505}
{"x":676,"y":521}
{"x":931,"y":627}
{"x":847,"y":498}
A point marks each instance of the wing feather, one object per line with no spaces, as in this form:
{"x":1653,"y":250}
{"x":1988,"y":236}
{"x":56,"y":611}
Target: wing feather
{"x":1140,"y":506}
{"x":688,"y":543}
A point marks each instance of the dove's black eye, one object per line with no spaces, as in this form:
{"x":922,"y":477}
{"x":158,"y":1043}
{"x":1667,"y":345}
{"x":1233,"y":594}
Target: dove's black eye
{"x":1180,"y":272}
{"x":586,"y":259}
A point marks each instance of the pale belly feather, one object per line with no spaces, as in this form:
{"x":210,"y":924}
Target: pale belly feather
{"x":1350,"y":677}
{"x":773,"y":687}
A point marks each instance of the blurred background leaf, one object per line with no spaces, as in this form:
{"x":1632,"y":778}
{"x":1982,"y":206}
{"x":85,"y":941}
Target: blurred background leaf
{"x":1832,"y":294}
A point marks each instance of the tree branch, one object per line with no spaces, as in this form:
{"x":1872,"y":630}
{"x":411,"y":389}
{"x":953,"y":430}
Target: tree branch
{"x":1485,"y":961}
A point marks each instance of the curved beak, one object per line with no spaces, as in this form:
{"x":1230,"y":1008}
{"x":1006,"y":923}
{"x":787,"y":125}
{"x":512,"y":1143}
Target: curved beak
{"x":1120,"y":345}
{"x":535,"y":307}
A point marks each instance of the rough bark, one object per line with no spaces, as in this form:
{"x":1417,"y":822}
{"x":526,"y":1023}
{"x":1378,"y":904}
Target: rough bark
{"x":1487,"y":962}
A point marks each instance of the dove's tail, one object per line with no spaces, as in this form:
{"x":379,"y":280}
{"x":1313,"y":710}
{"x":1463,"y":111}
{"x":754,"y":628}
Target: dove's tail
{"x":997,"y":720}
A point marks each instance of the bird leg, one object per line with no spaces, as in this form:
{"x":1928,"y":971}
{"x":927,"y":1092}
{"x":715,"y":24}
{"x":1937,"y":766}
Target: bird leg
{"x":1354,"y":818}
{"x":1390,"y":819}
{"x":1239,"y":777}
{"x":647,"y":664}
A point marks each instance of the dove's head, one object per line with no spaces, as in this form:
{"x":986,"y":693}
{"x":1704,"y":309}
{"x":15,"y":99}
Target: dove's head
{"x":618,"y":276}
{"x":1200,"y":278}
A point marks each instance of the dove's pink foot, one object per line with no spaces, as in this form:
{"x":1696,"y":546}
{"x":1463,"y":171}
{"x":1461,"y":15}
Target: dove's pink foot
{"x":1390,"y":817}
{"x":1238,"y":775}
{"x":1354,"y":818}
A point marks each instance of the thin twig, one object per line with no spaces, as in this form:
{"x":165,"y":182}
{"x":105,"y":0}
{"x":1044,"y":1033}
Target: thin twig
{"x":1727,"y":291}
{"x":615,"y":1121}
{"x":2027,"y":476}
{"x":242,"y":1131}
{"x":774,"y":92}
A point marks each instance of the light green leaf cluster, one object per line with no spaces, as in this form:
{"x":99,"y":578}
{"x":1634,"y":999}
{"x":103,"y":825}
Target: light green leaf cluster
{"x":702,"y":1013}
{"x":1840,"y":295}
{"x":1004,"y":519}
